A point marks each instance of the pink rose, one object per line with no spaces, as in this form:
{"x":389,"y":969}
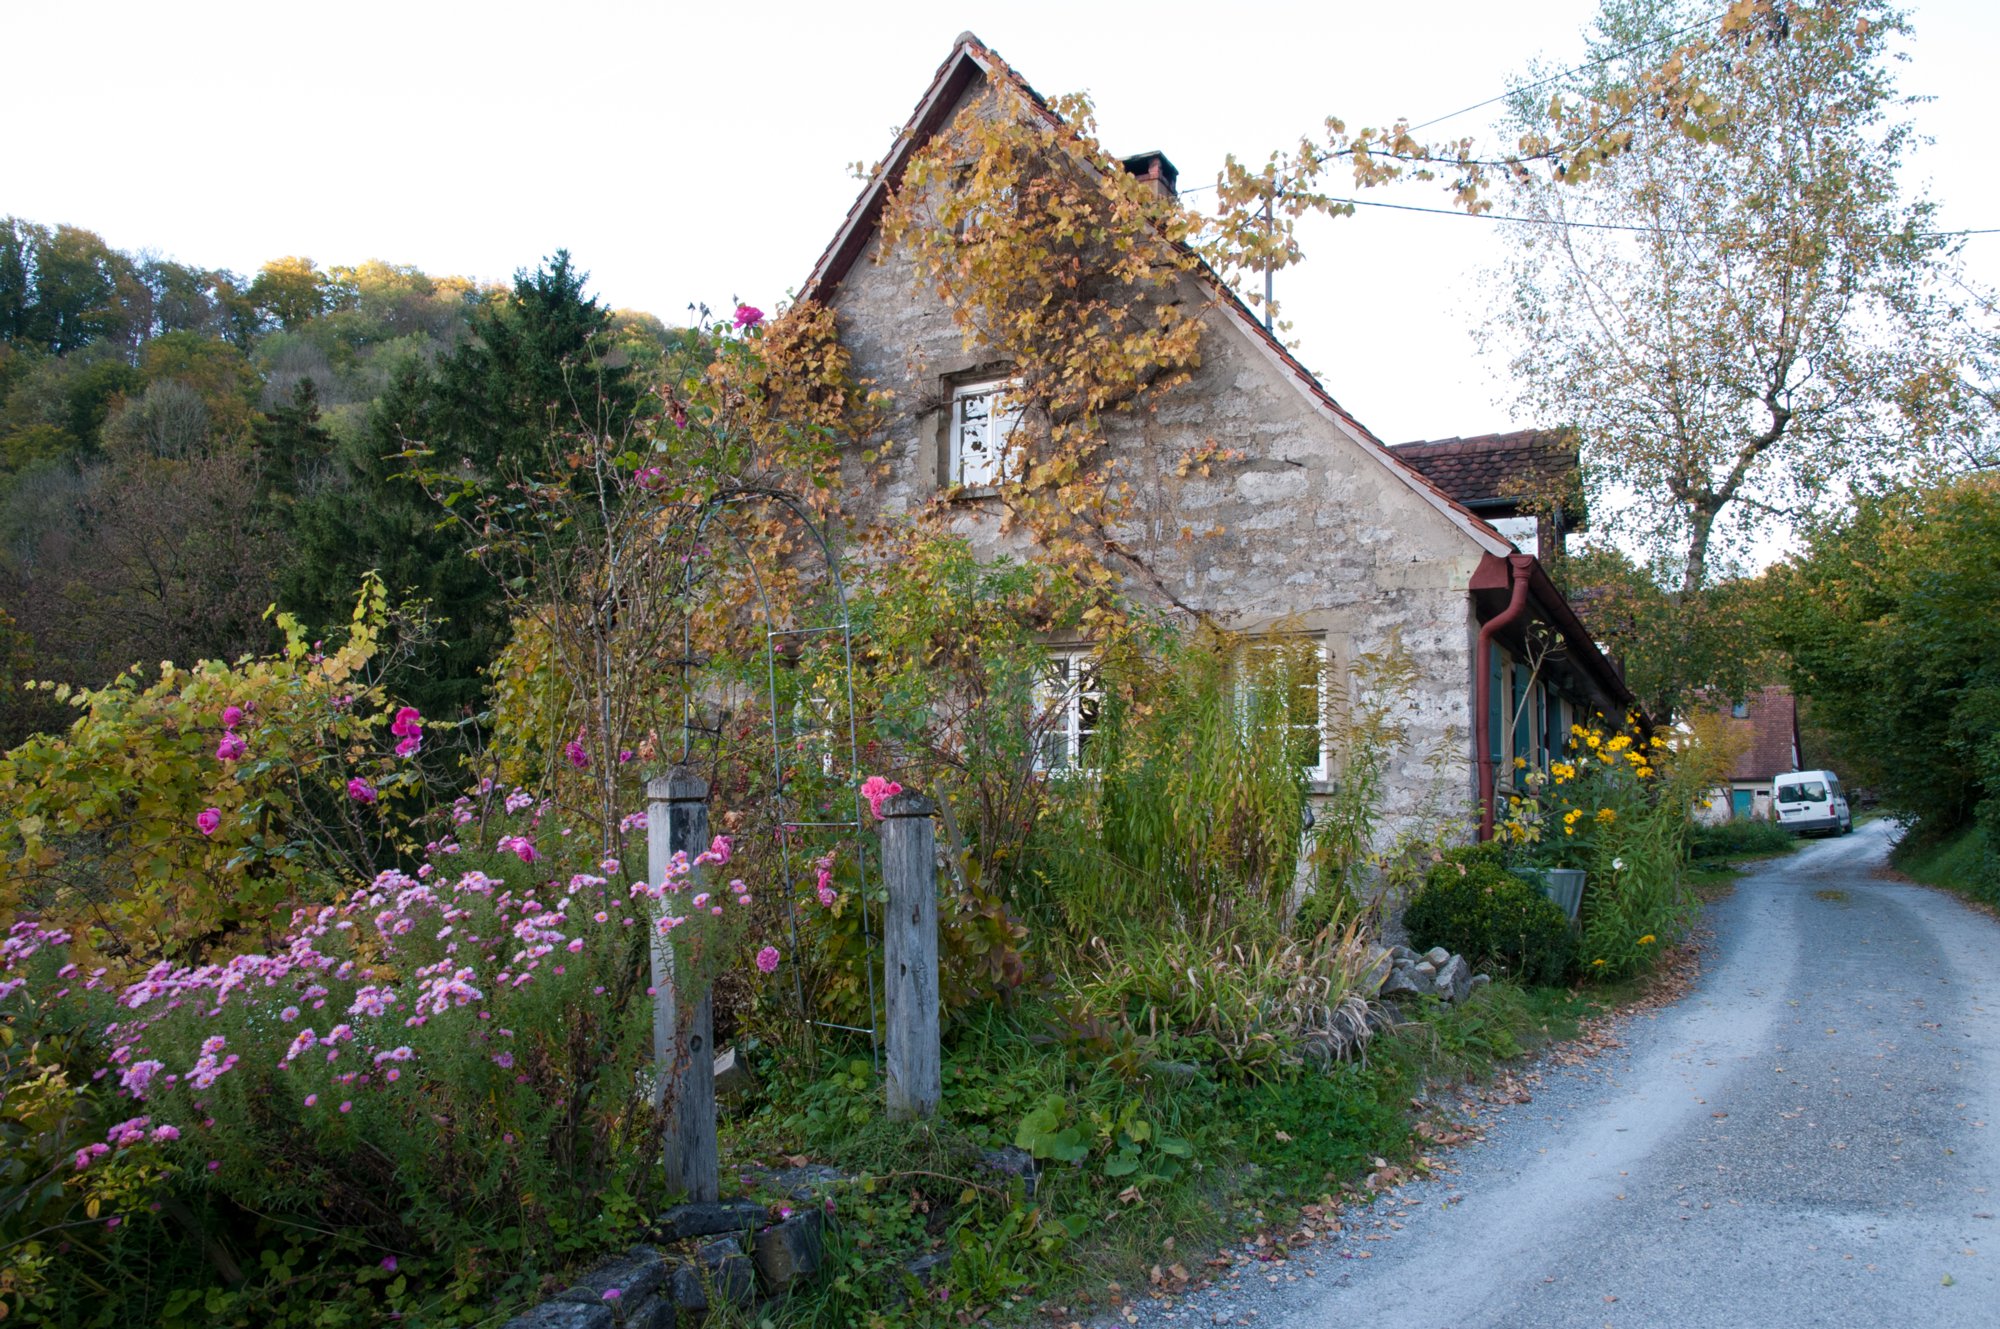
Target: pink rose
{"x":208,"y":819}
{"x":747,"y":317}
{"x":360,"y":790}
{"x":767,"y":959}
{"x":878,"y":791}
{"x":231,"y":747}
{"x":578,"y":754}
{"x":232,"y":716}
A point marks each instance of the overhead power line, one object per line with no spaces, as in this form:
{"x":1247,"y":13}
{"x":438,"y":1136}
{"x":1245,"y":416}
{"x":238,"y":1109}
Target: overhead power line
{"x":1543,"y":83}
{"x":1593,"y":226}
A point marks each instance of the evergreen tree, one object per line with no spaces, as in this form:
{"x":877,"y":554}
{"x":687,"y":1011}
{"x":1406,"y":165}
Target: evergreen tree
{"x":530,"y":369}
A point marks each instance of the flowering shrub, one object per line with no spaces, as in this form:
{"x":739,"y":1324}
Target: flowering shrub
{"x":190,"y":814}
{"x":445,"y":1068}
{"x":1617,"y":805}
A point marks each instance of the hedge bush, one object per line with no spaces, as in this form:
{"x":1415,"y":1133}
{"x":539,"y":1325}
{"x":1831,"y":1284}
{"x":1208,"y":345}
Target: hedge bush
{"x":1743,"y":836}
{"x":1470,"y":904}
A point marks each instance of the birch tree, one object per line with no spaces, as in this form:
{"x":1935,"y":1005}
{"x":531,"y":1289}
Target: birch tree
{"x":1741,"y":324}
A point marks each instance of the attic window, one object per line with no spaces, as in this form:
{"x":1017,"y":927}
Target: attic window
{"x":982,"y":419}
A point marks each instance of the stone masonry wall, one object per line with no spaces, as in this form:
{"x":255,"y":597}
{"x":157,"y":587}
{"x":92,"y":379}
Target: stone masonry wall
{"x":1307,"y":530}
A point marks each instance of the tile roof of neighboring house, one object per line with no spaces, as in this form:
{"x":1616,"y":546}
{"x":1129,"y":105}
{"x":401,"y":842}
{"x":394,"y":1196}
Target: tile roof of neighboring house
{"x":1773,"y":726}
{"x":970,"y":59}
{"x":1494,"y":470}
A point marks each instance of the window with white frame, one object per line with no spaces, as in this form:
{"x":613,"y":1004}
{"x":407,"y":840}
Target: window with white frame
{"x":1071,"y":702}
{"x":982,"y":419}
{"x":1295,"y":667}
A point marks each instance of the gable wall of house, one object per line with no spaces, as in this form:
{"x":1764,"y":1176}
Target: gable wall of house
{"x":1306,"y":530}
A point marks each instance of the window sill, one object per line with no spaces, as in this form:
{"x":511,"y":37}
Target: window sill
{"x":971,"y":493}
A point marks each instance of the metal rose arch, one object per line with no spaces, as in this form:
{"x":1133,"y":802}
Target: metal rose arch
{"x":807,"y":739}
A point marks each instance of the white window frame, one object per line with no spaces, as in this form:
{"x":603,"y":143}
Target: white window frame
{"x":993,"y":430}
{"x":1320,"y":772}
{"x":1071,"y":681}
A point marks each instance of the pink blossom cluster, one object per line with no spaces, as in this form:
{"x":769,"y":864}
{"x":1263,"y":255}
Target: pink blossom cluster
{"x":879,"y":791}
{"x":408,"y":727}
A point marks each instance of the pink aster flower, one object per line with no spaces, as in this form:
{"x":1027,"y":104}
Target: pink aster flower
{"x":208,"y":819}
{"x":747,"y":317}
{"x":767,"y":959}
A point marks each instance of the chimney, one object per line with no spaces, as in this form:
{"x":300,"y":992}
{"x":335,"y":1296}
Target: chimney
{"x":1156,"y":170}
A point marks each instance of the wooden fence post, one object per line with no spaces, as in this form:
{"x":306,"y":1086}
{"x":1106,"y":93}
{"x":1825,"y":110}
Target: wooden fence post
{"x":677,"y":821}
{"x":910,"y":959}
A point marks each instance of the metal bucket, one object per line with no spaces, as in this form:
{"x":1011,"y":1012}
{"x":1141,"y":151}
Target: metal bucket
{"x":1565,"y":887}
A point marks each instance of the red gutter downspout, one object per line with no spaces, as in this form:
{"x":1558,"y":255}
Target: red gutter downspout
{"x":1518,"y":567}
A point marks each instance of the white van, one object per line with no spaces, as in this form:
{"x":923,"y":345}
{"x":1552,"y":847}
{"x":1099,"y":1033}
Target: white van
{"x":1811,"y":803}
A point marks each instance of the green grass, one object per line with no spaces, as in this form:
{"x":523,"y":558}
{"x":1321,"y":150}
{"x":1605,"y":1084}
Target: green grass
{"x":1200,"y":1158}
{"x":1964,"y":861}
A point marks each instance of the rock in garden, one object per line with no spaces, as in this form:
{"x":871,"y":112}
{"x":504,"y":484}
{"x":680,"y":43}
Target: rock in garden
{"x":1437,"y":955}
{"x":637,"y":1274}
{"x":788,"y":1252}
{"x":1478,"y":981}
{"x":1425,"y":969}
{"x":721,"y":1272}
{"x":707,"y":1218}
{"x":807,"y":1182}
{"x":732,"y":1077}
{"x":564,"y":1315}
{"x":1012,"y":1161}
{"x":1454,"y":980}
{"x":1401,"y":982}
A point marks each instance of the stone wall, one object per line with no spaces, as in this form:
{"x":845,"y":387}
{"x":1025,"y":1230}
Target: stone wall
{"x":1311,"y":529}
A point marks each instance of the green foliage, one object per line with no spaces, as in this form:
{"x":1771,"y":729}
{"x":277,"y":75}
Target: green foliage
{"x":1740,"y":838}
{"x":1246,"y":1004}
{"x":1193,"y":815}
{"x":104,"y":831}
{"x":1470,"y":905}
{"x":353,"y":1100}
{"x":1966,"y":860}
{"x":1888,"y":620}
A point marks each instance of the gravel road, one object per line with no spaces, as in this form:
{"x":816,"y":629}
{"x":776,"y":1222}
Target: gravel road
{"x":1807,"y":1138}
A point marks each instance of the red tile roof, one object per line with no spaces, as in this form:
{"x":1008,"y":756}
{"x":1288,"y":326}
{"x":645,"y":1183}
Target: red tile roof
{"x":1490,"y":469}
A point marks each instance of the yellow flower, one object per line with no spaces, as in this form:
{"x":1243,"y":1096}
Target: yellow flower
{"x":1619,"y":743}
{"x":1596,"y":963}
{"x":1572,"y":814}
{"x":1576,"y":731}
{"x":1606,"y":815}
{"x":1647,"y":940}
{"x":1520,"y":763}
{"x":1569,"y":830}
{"x":1644,"y":772}
{"x":1593,"y":740}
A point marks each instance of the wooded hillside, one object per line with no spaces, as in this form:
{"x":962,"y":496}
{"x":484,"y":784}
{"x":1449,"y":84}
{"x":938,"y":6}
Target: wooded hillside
{"x":182,"y":447}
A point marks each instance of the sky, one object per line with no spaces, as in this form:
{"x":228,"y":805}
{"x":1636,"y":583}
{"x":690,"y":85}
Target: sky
{"x":688,"y":153}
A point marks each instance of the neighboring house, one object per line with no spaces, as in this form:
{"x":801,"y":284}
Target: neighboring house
{"x":1768,"y":723}
{"x":1524,"y":484}
{"x":1313,"y":528}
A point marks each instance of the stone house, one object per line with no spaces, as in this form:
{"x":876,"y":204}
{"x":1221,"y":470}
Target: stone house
{"x":1314,"y":527}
